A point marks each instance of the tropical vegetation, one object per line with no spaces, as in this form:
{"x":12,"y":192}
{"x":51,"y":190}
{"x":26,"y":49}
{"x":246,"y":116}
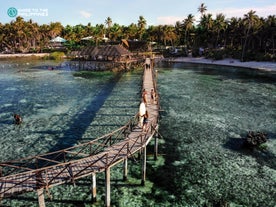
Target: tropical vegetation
{"x":248,"y":38}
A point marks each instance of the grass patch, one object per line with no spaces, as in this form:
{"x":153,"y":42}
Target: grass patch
{"x":56,"y":55}
{"x":92,"y":74}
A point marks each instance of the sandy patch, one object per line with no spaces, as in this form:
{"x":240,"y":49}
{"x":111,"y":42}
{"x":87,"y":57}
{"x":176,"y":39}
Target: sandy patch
{"x":265,"y":66}
{"x":16,"y":55}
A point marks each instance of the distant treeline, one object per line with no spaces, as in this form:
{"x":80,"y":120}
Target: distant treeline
{"x":248,"y":38}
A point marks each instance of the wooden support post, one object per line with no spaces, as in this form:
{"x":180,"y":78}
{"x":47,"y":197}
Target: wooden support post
{"x":107,"y":187}
{"x":125,"y":170}
{"x":156,"y":146}
{"x":94,"y":188}
{"x":41,"y":200}
{"x":40,"y":189}
{"x":1,"y":195}
{"x":144,"y":164}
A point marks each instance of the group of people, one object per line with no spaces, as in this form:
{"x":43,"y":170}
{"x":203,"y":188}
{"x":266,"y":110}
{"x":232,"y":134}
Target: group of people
{"x":152,"y":96}
{"x":143,"y":112}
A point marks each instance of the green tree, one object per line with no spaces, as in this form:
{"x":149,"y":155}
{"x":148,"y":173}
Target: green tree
{"x":202,"y":9}
{"x":108,"y":23}
{"x":250,"y":20}
{"x":141,"y":26}
{"x":270,"y":33}
{"x":169,"y":35}
{"x":220,"y":26}
{"x":55,"y":29}
{"x":204,"y":30}
{"x":99,"y":33}
{"x":188,"y":25}
{"x":116,"y":32}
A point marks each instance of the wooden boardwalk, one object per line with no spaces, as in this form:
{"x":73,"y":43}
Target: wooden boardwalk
{"x":42,"y":172}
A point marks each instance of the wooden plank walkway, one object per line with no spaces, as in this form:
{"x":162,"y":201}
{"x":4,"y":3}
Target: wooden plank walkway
{"x":63,"y":172}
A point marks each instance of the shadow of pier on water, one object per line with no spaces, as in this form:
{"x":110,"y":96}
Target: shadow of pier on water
{"x":83,"y":120}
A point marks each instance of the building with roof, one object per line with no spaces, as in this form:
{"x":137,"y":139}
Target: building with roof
{"x":114,"y":53}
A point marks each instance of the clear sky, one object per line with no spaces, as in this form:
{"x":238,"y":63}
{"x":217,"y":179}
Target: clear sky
{"x":125,"y":12}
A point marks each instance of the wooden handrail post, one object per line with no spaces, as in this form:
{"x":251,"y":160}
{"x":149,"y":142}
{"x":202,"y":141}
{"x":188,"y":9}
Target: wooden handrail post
{"x":107,"y":187}
{"x":40,"y":189}
{"x":94,"y":188}
{"x":64,"y":157}
{"x":125,"y":170}
{"x":1,"y":174}
{"x":144,"y":165}
{"x":155,"y":146}
{"x":41,"y":199}
{"x":110,"y":138}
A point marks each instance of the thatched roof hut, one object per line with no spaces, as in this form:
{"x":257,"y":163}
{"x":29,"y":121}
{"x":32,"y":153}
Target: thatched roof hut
{"x":107,"y":52}
{"x":114,"y":52}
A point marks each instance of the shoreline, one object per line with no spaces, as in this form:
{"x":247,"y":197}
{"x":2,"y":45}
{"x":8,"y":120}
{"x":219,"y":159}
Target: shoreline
{"x":19,"y":55}
{"x":262,"y":66}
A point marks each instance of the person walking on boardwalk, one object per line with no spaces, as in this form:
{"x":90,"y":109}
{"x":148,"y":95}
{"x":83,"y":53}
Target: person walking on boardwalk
{"x":152,"y":96}
{"x":142,"y":112}
{"x":145,"y":121}
{"x":147,"y":63}
{"x":144,"y":96}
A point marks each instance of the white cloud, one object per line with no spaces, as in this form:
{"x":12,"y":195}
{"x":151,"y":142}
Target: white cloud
{"x":85,"y":14}
{"x":169,"y":20}
{"x":240,"y":12}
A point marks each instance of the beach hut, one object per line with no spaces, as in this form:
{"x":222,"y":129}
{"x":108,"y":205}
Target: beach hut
{"x":107,"y":53}
{"x":114,"y":53}
{"x":58,"y":39}
{"x":57,"y":42}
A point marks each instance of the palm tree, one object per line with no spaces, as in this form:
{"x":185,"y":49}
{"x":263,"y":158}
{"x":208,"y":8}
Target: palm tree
{"x":219,"y":26}
{"x":141,"y":26}
{"x":7,"y":35}
{"x":188,"y":25}
{"x":19,"y":34}
{"x":233,"y":31}
{"x":131,"y":32}
{"x":44,"y":30}
{"x":35,"y":35}
{"x":250,"y":20}
{"x":169,"y":34}
{"x":99,"y":33}
{"x":2,"y":36}
{"x":204,"y":30}
{"x":269,"y":33}
{"x":178,"y":31}
{"x":108,"y":22}
{"x":55,"y":29}
{"x":154,"y":33}
{"x":79,"y":32}
{"x":202,"y":9}
{"x":115,"y":32}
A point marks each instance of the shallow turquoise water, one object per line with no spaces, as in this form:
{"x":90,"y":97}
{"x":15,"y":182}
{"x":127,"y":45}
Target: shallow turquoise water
{"x":59,"y":109}
{"x":206,"y":112}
